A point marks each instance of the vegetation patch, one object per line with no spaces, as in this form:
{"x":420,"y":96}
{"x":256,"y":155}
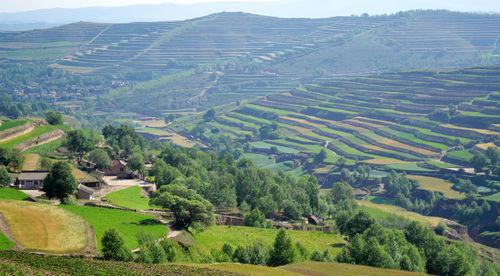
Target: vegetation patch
{"x":437,"y":185}
{"x":384,"y":210}
{"x":13,"y":194}
{"x":216,"y":236}
{"x":44,"y":228}
{"x":132,"y":198}
{"x":340,"y":269}
{"x":5,"y":243}
{"x":128,"y":224}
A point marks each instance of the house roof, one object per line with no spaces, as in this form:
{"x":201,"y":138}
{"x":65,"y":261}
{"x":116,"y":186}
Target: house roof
{"x":86,"y":189}
{"x":35,"y":175}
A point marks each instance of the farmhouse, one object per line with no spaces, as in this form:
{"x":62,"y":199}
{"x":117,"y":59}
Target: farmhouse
{"x":85,"y":193}
{"x":31,"y":180}
{"x":117,"y":168}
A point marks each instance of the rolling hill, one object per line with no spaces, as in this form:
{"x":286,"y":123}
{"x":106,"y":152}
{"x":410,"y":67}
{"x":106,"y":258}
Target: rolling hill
{"x":185,"y":66}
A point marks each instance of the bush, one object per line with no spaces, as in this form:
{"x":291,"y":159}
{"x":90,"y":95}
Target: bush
{"x":440,"y":228}
{"x":257,"y":219}
{"x":113,"y":247}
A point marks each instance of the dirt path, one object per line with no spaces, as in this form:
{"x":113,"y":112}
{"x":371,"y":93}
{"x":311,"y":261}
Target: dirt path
{"x":6,"y":230}
{"x":91,"y":249}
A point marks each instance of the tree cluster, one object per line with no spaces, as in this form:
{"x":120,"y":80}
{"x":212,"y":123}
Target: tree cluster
{"x":227,"y":183}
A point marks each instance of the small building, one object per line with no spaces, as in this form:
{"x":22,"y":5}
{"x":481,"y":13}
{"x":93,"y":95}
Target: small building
{"x":118,"y":168}
{"x":31,"y":180}
{"x":85,"y":193}
{"x":311,"y":219}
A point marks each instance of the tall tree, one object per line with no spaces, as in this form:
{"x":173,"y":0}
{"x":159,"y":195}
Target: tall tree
{"x":80,"y":141}
{"x":100,"y":158}
{"x":5,"y":178}
{"x":60,"y":182}
{"x":283,"y":251}
{"x":188,"y":206}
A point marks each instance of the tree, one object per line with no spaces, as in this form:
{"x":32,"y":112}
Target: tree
{"x":209,"y":115}
{"x":341,"y":192}
{"x":60,"y":182}
{"x":80,"y":141}
{"x":187,"y":205}
{"x":493,"y":154}
{"x":136,"y":162}
{"x":283,"y":251}
{"x":54,"y":118}
{"x":113,"y":247}
{"x":320,"y":156}
{"x":359,"y":223}
{"x":100,"y":158}
{"x":5,"y":178}
{"x":478,"y":161}
{"x":150,"y":252}
{"x":255,"y":219}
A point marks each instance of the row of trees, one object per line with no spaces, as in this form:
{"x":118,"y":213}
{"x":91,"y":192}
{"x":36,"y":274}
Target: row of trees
{"x":282,"y":252}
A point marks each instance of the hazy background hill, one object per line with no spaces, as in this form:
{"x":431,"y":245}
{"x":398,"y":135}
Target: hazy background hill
{"x":167,"y":12}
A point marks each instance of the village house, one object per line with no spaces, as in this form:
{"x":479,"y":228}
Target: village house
{"x":119,"y":169}
{"x":31,"y":180}
{"x":85,"y":193}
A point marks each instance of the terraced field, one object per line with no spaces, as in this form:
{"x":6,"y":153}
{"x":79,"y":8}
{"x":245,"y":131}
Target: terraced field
{"x":384,"y":120}
{"x":27,"y":135}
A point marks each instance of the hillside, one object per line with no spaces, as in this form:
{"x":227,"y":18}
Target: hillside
{"x":184,"y":66}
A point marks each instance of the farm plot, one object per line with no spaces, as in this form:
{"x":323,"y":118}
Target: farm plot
{"x":437,"y":185}
{"x":128,"y":224}
{"x":131,"y":198}
{"x":216,"y":236}
{"x":384,"y":210}
{"x":33,"y":134}
{"x":45,"y":228}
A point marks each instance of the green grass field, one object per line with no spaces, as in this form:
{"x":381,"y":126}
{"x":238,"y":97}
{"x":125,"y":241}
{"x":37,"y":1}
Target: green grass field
{"x":437,"y":185}
{"x":463,"y":155}
{"x":5,"y":243}
{"x":216,"y":236}
{"x":47,"y":148}
{"x":493,"y":197}
{"x":131,"y":198}
{"x":10,"y":124}
{"x":380,"y":208}
{"x":13,"y":194}
{"x":28,"y":136}
{"x":128,"y":224}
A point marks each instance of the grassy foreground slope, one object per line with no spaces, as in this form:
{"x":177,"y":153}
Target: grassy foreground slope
{"x":128,"y":224}
{"x":44,"y":228}
{"x":20,"y":263}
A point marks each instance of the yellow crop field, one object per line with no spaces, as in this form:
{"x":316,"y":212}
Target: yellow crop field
{"x":478,"y":130}
{"x":31,"y":162}
{"x":384,"y":161}
{"x":398,"y":211}
{"x":44,"y":228}
{"x":437,"y":185}
{"x":485,"y":146}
